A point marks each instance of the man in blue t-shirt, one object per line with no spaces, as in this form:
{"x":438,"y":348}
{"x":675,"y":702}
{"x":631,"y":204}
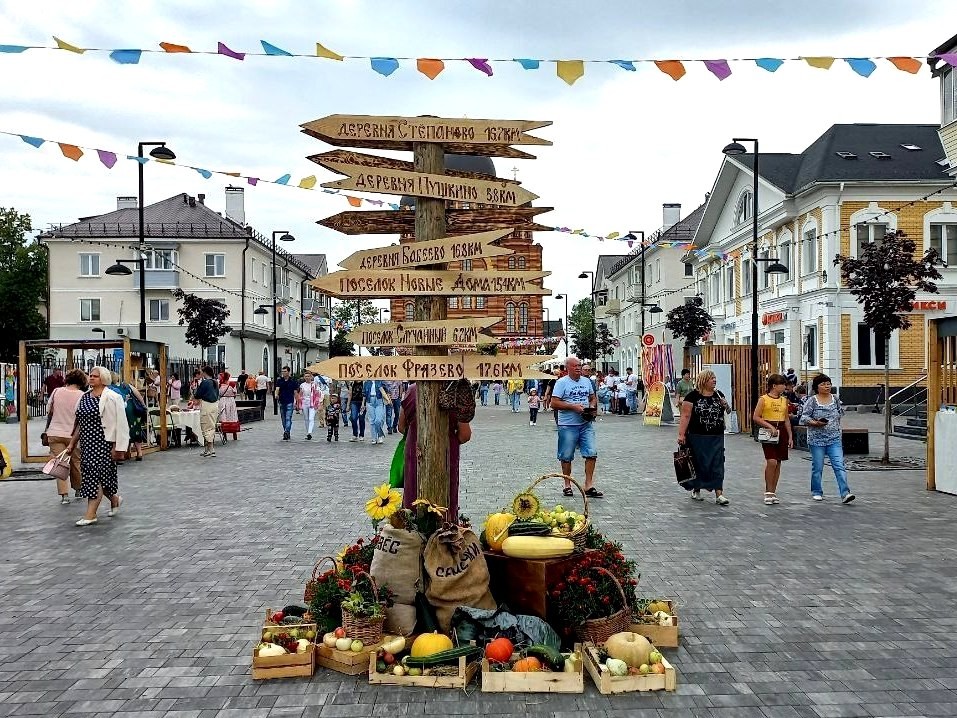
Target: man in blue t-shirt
{"x":285,"y":391}
{"x":574,"y":397}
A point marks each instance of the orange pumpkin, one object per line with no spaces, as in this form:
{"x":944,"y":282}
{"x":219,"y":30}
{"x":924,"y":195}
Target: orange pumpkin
{"x":527,"y":665}
{"x":499,"y":650}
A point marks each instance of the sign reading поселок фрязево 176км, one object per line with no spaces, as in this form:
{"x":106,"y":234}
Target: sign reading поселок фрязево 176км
{"x":435,"y":368}
{"x":398,"y":283}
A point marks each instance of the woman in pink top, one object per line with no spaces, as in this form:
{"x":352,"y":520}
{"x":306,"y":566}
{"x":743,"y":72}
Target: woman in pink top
{"x":62,"y":416}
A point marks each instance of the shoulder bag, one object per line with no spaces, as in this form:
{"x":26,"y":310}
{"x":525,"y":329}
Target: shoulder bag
{"x":58,"y":467}
{"x":139,"y":408}
{"x":684,"y":467}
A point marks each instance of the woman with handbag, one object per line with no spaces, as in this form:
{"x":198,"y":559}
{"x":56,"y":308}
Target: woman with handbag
{"x":701,"y":430}
{"x":774,"y":433}
{"x":61,"y":417}
{"x":104,"y":436}
{"x":135,"y":408}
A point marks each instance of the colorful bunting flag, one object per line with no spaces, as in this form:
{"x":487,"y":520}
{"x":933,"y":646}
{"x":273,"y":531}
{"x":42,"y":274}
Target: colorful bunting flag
{"x":771,"y":64}
{"x":172,"y":47}
{"x":570,"y":70}
{"x":223,"y":50}
{"x":308,"y":182}
{"x":63,"y":45}
{"x":13,"y":49}
{"x":71,"y":151}
{"x":861,"y":65}
{"x":107,"y":158}
{"x":141,"y":160}
{"x":385,"y":66}
{"x":624,"y":64}
{"x":271,"y":49}
{"x":718,"y":68}
{"x":354,"y":201}
{"x":480,"y":64}
{"x":674,"y":69}
{"x":949,"y":57}
{"x":252,"y":181}
{"x":283,"y":180}
{"x":821,"y":63}
{"x":322,"y":51}
{"x":429,"y":67}
{"x":205,"y":173}
{"x":126,"y":57}
{"x":906,"y":64}
{"x":34,"y":141}
{"x":528,"y":64}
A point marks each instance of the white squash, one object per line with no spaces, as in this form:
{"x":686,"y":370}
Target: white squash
{"x":302,"y":645}
{"x":393,"y":644}
{"x":662,"y":617}
{"x":537,"y":547}
{"x":271,"y":649}
{"x":616,"y":667}
{"x":329,"y":640}
{"x":343,"y":644}
{"x":632,"y":648}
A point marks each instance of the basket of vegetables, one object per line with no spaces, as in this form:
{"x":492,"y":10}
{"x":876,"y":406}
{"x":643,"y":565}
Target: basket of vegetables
{"x":564,"y":524}
{"x":362,"y":614}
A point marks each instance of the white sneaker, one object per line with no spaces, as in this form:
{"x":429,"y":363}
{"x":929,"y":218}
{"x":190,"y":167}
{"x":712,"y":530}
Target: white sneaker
{"x":775,"y":499}
{"x":114,"y":510}
{"x":354,"y":439}
{"x":817,"y":497}
{"x":722,"y":500}
{"x":531,"y":423}
{"x":362,"y":438}
{"x":696,"y":495}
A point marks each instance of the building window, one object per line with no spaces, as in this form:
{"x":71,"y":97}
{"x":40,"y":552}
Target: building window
{"x":216,"y":354}
{"x":689,"y":270}
{"x":810,"y":346}
{"x":453,"y":302}
{"x":510,"y":318}
{"x":746,"y":276}
{"x":809,"y":263}
{"x":159,"y":310}
{"x":943,"y":238}
{"x":466,"y":265}
{"x":511,"y":262}
{"x":89,"y":310}
{"x":523,"y":317}
{"x":215,"y":265}
{"x":867,"y":233}
{"x":784,"y":257}
{"x":409,"y":311}
{"x":480,"y":302}
{"x":521,"y":262}
{"x":466,"y":302}
{"x":89,"y":264}
{"x":657,"y":270}
{"x":870,"y":347}
{"x":252,"y":270}
{"x":163,"y":259}
{"x":264,"y":273}
{"x":729,"y":282}
{"x":744,"y":208}
{"x":765,"y":278}
{"x":714,"y":289}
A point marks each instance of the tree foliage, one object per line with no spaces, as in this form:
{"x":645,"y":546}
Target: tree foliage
{"x":885,"y":279}
{"x":23,"y":283}
{"x":689,"y":321}
{"x":204,"y":319}
{"x":580,"y":329}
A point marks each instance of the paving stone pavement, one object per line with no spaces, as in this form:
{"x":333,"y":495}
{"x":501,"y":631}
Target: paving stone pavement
{"x":801,"y":609}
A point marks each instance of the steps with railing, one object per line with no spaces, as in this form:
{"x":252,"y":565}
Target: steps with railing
{"x":911,"y":405}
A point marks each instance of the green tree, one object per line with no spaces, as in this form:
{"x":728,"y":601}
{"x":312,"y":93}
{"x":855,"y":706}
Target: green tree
{"x":344,"y":315}
{"x":581,"y":329}
{"x":689,"y":321}
{"x":23,"y":283}
{"x":204,"y":319}
{"x":885,"y":278}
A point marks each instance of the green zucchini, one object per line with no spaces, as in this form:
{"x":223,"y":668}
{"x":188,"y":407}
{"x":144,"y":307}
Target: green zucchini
{"x":529,"y":528}
{"x":437,"y":659}
{"x":548,"y":655}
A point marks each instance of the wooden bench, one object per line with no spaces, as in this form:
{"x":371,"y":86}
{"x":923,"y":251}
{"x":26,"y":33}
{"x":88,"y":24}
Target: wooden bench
{"x":854,"y":441}
{"x":249,"y":411}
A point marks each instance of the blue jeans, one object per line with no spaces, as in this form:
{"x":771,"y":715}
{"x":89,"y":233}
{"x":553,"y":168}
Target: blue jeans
{"x":632,"y":400}
{"x":376,"y":411}
{"x":358,"y":420}
{"x":835,"y":452}
{"x":285,"y":413}
{"x":392,"y":411}
{"x":483,"y":394}
{"x":516,"y":401}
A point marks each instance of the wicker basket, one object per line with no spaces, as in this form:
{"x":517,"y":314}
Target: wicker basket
{"x":580,"y":534}
{"x":366,"y":629}
{"x":311,"y":583}
{"x":599,"y":630}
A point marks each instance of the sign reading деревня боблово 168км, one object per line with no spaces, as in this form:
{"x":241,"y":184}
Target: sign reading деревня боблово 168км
{"x":434,"y":251}
{"x":431,"y":368}
{"x":398,"y":283}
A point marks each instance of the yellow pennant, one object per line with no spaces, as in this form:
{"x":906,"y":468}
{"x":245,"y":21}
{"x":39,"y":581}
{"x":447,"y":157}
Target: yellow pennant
{"x":307,"y":182}
{"x":323,"y":51}
{"x":570,"y":70}
{"x":63,"y":45}
{"x":822,"y":63}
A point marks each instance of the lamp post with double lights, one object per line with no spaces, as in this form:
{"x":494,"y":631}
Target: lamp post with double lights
{"x":733,"y":150}
{"x":633,"y":235}
{"x":160,"y":152}
{"x":594,"y":336}
{"x":284,"y":236}
{"x":121,"y":270}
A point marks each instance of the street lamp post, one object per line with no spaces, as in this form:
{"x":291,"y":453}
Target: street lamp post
{"x":594,"y":335}
{"x":119,"y":270}
{"x":565,"y":325}
{"x":633,"y":235}
{"x":732,"y":150}
{"x":548,"y":321}
{"x":161,"y":152}
{"x":284,"y":236}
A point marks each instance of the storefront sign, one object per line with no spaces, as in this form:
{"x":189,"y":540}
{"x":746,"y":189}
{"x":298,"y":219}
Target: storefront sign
{"x":932,"y":306}
{"x":773,"y":317}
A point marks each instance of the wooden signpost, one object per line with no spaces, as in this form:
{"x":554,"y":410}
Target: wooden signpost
{"x":458,"y":221}
{"x":447,"y":332}
{"x":456,"y":249}
{"x":420,"y":268}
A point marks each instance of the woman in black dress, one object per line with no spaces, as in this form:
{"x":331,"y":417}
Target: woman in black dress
{"x":702,"y":430}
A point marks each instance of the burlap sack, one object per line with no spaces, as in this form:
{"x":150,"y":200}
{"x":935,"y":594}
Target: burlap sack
{"x":400,"y":620}
{"x":397,"y":562}
{"x":458,"y":574}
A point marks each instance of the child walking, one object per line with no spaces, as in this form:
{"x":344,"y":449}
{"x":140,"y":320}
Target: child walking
{"x":534,"y":402}
{"x":332,"y":417}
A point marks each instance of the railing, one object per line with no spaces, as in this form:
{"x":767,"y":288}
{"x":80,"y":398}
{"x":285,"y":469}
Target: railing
{"x":914,"y":399}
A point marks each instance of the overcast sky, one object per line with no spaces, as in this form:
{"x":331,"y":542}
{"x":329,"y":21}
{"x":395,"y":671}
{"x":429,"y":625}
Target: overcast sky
{"x":624,"y":142}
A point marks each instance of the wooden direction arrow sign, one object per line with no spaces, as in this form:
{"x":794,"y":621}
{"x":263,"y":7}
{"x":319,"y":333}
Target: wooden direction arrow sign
{"x":457,"y":221}
{"x":421,"y":184}
{"x":398,"y":283}
{"x":457,"y":136}
{"x":435,"y":251}
{"x":431,"y":368}
{"x":440,"y":332}
{"x":364,"y":160}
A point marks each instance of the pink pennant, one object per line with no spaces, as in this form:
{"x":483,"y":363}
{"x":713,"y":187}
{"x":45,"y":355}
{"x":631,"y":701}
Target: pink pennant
{"x":949,"y":57}
{"x":718,"y":68}
{"x":223,"y":50}
{"x":481,"y":64}
{"x":107,"y":158}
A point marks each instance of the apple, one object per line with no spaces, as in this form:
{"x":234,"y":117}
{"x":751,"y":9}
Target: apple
{"x":340,"y":632}
{"x":356,"y":646}
{"x":644,"y":669}
{"x":343,"y":644}
{"x":654,"y":657}
{"x":388,"y":658}
{"x":310,"y":634}
{"x":415,"y":671}
{"x":267,"y":637}
{"x":658,"y":668}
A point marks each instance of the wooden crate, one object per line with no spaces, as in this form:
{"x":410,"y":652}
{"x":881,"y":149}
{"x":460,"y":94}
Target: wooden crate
{"x":465,"y":675}
{"x":523,"y":584}
{"x":539,"y":682}
{"x":268,"y":625}
{"x":660,"y":636}
{"x":348,"y":662}
{"x":608,"y":684}
{"x":290,"y":665}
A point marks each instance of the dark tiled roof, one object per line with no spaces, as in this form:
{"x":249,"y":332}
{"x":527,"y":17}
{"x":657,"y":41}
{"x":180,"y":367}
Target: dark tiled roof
{"x":821,"y":163}
{"x":315,"y":262}
{"x":553,"y":327}
{"x":682,"y":231}
{"x":605,"y":263}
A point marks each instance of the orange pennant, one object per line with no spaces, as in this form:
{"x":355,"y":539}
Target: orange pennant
{"x":229,"y":174}
{"x":672,"y":68}
{"x":429,"y":67}
{"x":71,"y":151}
{"x":821,"y":63}
{"x":570,"y":70}
{"x":907,"y":64}
{"x":172,"y":47}
{"x":354,"y":201}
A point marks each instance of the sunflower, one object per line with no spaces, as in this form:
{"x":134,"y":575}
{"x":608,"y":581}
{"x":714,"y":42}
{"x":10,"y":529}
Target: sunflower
{"x":525,"y":506}
{"x":384,"y":503}
{"x":440,"y":511}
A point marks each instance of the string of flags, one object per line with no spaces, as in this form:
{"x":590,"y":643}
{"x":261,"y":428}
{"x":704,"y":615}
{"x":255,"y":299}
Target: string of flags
{"x":568,"y":70}
{"x":529,"y":342}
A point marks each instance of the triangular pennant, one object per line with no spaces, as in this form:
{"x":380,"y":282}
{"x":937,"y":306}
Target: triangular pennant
{"x":480,"y":64}
{"x":771,"y":64}
{"x":126,"y":57}
{"x":674,"y":69}
{"x":949,"y":57}
{"x":71,"y":151}
{"x":906,"y":64}
{"x":528,"y":63}
{"x":63,"y":45}
{"x":271,"y":49}
{"x":13,"y":49}
{"x":385,"y":66}
{"x":429,"y":67}
{"x":283,"y":180}
{"x":354,"y":201}
{"x":252,"y":181}
{"x":719,"y":68}
{"x":107,"y":158}
{"x":613,"y":235}
{"x":223,"y":50}
{"x":205,"y":173}
{"x":32,"y":141}
{"x":323,"y":51}
{"x":570,"y":70}
{"x":141,"y":160}
{"x":861,"y":65}
{"x":173,"y":47}
{"x":228,"y":174}
{"x":394,"y":206}
{"x":624,"y":64}
{"x":821,"y":63}
{"x":307,"y":182}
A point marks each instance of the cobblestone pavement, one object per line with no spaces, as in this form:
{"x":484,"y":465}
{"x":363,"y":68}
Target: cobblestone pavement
{"x":801,"y":609}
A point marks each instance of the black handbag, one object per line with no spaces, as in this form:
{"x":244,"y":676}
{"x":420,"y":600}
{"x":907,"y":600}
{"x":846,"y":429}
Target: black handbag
{"x":684,"y":467}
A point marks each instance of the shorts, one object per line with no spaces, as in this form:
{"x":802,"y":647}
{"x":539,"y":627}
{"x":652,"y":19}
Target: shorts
{"x":581,"y":436}
{"x":777,"y":451}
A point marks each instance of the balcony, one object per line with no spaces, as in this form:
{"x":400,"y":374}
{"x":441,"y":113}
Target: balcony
{"x":948,"y":138}
{"x":609,"y":308}
{"x":314,"y":305}
{"x":158,"y":278}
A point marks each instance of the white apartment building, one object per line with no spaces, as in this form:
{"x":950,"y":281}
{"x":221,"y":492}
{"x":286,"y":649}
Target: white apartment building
{"x":191,"y":247}
{"x":948,"y":102}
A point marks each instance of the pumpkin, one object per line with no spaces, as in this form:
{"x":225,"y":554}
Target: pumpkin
{"x":429,"y":643}
{"x":616,"y":667}
{"x":499,"y":650}
{"x":496,"y":529}
{"x":631,"y":648}
{"x":527,"y":665}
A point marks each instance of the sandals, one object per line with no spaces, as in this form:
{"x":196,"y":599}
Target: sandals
{"x":770,"y":499}
{"x":593,"y":493}
{"x":567,"y":491}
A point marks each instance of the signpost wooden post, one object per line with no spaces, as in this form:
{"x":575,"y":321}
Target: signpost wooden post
{"x":399,"y":256}
{"x":458,"y":221}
